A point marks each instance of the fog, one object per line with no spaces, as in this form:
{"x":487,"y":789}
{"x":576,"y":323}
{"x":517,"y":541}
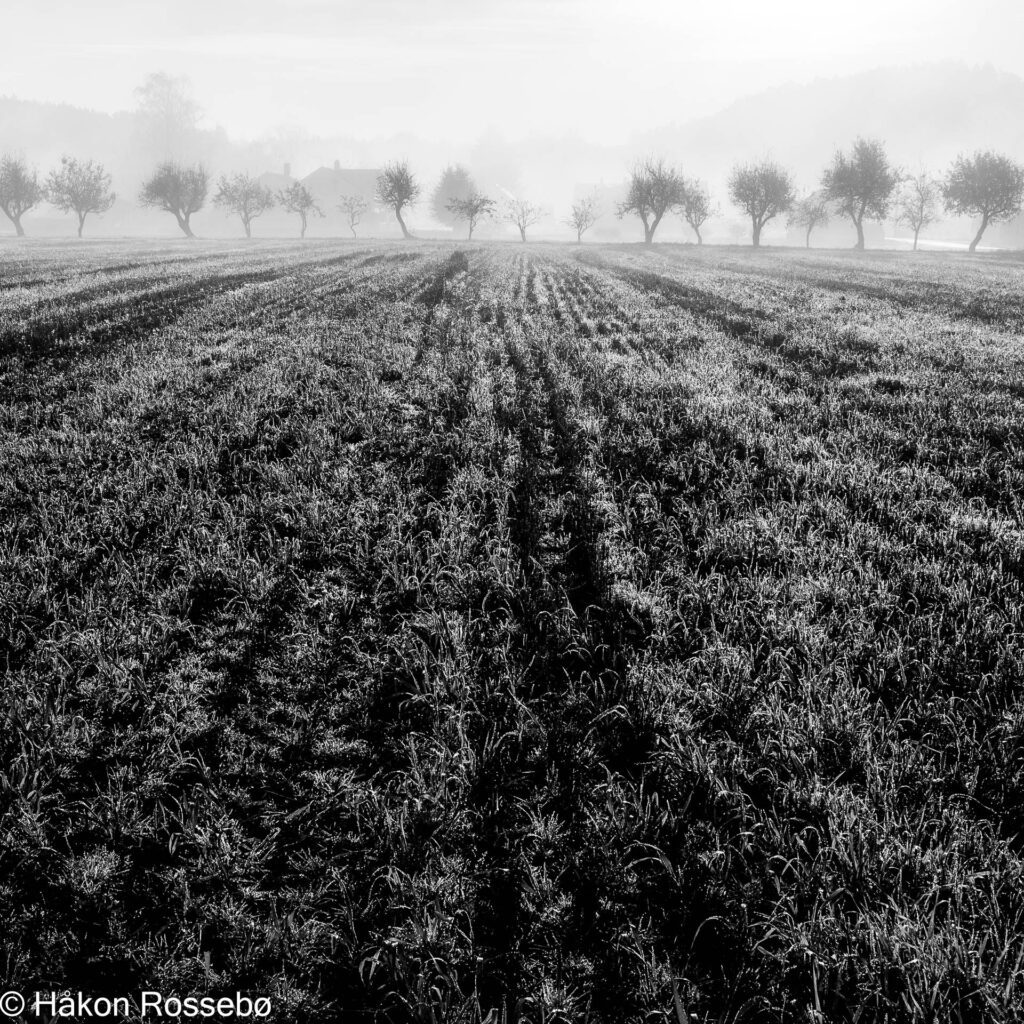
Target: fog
{"x":600,"y":69}
{"x":540,"y":98}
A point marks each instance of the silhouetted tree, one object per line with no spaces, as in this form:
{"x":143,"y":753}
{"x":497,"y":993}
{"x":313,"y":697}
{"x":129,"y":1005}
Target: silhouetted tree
{"x":472,"y":209}
{"x":455,"y":183}
{"x":917,"y":203}
{"x":584,"y":214}
{"x":696,"y":207}
{"x":762,"y":191}
{"x":296,"y":198}
{"x":19,"y":190}
{"x":79,"y":186}
{"x":810,"y":212}
{"x":245,"y":196}
{"x":987,"y":185}
{"x":861,"y":184}
{"x":654,"y":189}
{"x":523,"y":214}
{"x":353,"y":207}
{"x":398,"y":188}
{"x":168,"y":113}
{"x":177,"y":190}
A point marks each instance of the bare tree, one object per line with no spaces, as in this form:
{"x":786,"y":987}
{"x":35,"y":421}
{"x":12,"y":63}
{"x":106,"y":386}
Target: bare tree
{"x":696,"y":207}
{"x":987,"y":185}
{"x":584,"y":214}
{"x":455,"y":183}
{"x":245,"y":196}
{"x":79,"y":186}
{"x":762,"y":191}
{"x":917,"y":203}
{"x":861,"y":184}
{"x":168,"y":113}
{"x":296,"y":198}
{"x":472,"y":210}
{"x":19,"y":190}
{"x":810,"y":212}
{"x":177,"y":190}
{"x":353,"y":207}
{"x":523,"y":214}
{"x":654,"y":189}
{"x":398,"y":188}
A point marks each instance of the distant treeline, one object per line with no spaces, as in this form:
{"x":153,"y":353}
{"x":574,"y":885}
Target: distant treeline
{"x":859,"y":185}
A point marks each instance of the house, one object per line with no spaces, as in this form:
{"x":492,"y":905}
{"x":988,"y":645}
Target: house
{"x":275,"y":181}
{"x":327,"y":186}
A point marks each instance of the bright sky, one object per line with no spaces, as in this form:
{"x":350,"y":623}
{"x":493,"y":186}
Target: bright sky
{"x":600,"y":69}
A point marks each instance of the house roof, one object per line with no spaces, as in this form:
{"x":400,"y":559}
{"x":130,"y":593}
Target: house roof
{"x":274,"y":180}
{"x":336,"y":182}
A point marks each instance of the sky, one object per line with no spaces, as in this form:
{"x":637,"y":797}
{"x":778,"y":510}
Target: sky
{"x":598,"y":70}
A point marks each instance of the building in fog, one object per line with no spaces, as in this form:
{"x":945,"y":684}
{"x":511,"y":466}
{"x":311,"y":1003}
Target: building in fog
{"x":327,"y":186}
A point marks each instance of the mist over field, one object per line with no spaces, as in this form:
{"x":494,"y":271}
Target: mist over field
{"x":544,"y":101}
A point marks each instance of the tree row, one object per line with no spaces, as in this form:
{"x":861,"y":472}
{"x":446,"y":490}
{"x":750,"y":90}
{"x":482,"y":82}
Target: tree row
{"x":859,"y":185}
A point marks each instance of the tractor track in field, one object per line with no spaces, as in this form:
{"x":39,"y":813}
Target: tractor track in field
{"x":564,"y":502}
{"x":774,"y":332}
{"x":101,"y":316}
{"x":852,"y":278}
{"x":78,"y":349}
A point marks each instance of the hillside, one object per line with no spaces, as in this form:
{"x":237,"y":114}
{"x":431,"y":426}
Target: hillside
{"x":927,"y":114}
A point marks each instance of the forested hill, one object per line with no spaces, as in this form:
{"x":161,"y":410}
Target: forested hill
{"x":43,"y":131}
{"x":926,"y":115}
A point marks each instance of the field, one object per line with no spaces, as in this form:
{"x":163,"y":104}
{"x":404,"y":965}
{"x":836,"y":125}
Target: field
{"x":516,"y":633}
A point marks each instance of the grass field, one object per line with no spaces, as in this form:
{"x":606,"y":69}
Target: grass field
{"x":432,"y":633}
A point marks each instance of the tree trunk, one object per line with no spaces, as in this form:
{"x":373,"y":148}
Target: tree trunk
{"x":977,"y":237}
{"x":469,"y":237}
{"x":917,"y":231}
{"x":184,"y":225}
{"x":401,"y":223}
{"x":81,"y":223}
{"x":757,"y":234}
{"x":522,"y":234}
{"x":649,"y":231}
{"x":700,"y":241}
{"x":807,"y":238}
{"x":351,"y":228}
{"x":302,"y":214}
{"x":248,"y":228}
{"x":859,"y":225}
{"x":18,"y":229}
{"x":579,"y":237}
